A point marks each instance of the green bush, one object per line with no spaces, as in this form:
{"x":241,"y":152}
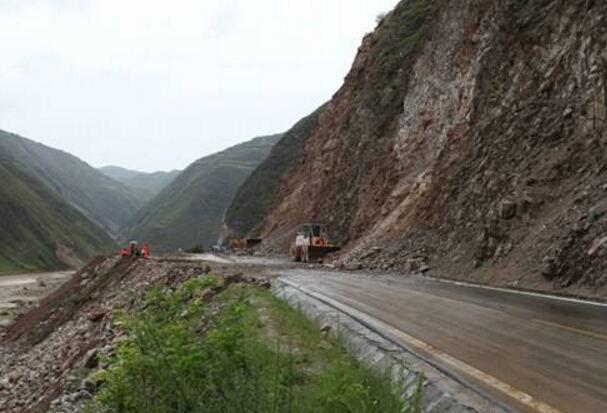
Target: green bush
{"x":184,"y":356}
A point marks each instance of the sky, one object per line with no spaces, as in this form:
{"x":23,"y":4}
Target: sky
{"x":154,"y":85}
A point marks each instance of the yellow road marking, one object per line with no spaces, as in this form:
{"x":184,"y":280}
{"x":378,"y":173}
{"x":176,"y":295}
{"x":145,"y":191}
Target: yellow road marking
{"x":573,"y":329}
{"x":522,"y":397}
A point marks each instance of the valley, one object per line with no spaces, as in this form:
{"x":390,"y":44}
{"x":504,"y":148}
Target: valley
{"x":430,"y":239}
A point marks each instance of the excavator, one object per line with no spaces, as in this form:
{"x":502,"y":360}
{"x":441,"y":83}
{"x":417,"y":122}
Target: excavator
{"x":135,"y":249}
{"x":312,"y":243}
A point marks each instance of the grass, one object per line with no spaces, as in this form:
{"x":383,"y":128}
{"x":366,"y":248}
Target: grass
{"x":255,"y":354}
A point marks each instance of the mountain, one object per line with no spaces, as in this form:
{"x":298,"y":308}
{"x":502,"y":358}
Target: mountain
{"x":258,"y":192}
{"x":104,"y":201}
{"x":38,"y":230}
{"x":189,"y":211}
{"x":151,"y":183}
{"x":469,"y":139}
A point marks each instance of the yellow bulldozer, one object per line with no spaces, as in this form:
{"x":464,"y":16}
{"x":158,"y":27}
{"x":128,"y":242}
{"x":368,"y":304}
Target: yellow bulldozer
{"x":312,"y":243}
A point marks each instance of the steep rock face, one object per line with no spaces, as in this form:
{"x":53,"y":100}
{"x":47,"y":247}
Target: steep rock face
{"x":258,"y":192}
{"x":493,"y":166}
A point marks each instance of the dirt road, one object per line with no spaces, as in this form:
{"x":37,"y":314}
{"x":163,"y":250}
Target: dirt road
{"x":19,"y":291}
{"x":534,"y":353}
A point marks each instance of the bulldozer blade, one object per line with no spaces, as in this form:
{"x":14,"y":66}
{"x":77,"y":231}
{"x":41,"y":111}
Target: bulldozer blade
{"x":316,"y":253}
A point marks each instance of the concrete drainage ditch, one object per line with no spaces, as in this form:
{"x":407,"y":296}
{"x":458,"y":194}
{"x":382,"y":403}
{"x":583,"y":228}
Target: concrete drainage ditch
{"x":442,"y":393}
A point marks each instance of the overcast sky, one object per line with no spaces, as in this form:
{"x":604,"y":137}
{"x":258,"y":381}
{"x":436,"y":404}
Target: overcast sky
{"x":154,"y":85}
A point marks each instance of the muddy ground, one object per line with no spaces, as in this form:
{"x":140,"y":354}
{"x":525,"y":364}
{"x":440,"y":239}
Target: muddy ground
{"x":18,"y":292}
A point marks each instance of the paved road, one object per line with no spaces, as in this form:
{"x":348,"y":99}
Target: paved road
{"x":534,"y":353}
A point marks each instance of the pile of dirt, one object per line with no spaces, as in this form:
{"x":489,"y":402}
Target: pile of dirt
{"x":49,"y":351}
{"x":468,"y":139}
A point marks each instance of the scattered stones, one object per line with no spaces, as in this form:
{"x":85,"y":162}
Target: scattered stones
{"x":88,"y":385}
{"x":353,"y":266}
{"x":96,"y":316}
{"x":91,"y":359}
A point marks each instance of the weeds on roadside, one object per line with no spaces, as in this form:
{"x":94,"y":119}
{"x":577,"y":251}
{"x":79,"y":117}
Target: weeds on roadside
{"x":185,"y":356}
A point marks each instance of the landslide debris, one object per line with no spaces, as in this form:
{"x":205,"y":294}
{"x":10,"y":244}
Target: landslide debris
{"x":468,"y":139}
{"x":48,"y":352}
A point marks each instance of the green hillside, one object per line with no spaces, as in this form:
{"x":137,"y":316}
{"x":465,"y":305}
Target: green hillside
{"x":190,"y":210}
{"x":38,"y":230}
{"x":151,"y":183}
{"x":256,"y":195}
{"x":104,"y":201}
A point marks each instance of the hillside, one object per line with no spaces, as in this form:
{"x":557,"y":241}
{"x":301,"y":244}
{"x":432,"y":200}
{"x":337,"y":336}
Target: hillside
{"x":104,"y":201}
{"x":189,"y":211}
{"x":258,"y":192}
{"x":150,"y":183}
{"x":38,"y":230}
{"x":468,"y":138}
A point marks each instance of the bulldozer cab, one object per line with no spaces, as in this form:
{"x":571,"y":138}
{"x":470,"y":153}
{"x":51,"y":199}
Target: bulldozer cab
{"x":313,"y":231}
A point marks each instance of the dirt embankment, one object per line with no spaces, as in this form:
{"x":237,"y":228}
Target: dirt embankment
{"x":72,"y":327}
{"x":468,"y":138}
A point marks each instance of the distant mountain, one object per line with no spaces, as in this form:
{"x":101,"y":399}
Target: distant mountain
{"x":104,"y":201}
{"x":151,"y":183}
{"x":189,"y":211}
{"x":38,"y":230}
{"x":258,"y":192}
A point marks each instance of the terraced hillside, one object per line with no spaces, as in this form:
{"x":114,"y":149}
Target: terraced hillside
{"x":38,"y":230}
{"x":104,"y":201}
{"x":258,"y":192}
{"x":190,"y":210}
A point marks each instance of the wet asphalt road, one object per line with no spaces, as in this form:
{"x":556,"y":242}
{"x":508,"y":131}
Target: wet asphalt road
{"x":550,"y":349}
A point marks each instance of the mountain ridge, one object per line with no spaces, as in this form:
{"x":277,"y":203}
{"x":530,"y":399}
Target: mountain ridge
{"x":104,"y":201}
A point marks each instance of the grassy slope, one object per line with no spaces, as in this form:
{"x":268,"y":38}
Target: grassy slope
{"x":189,"y":211}
{"x":254,"y":355}
{"x":256,"y":195}
{"x":33,"y":219}
{"x":150,"y":183}
{"x":104,"y":201}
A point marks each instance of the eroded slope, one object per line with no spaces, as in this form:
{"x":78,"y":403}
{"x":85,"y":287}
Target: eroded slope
{"x":470,"y":137}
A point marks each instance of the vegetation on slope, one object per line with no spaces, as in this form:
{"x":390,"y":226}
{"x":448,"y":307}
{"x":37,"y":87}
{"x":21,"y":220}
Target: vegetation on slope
{"x":150,"y":183}
{"x":190,"y":210}
{"x":256,"y":195}
{"x":38,"y":230}
{"x":104,"y":201}
{"x":245,"y":351}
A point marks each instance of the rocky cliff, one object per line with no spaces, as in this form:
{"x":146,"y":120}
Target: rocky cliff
{"x":469,"y":137}
{"x":246,"y":214}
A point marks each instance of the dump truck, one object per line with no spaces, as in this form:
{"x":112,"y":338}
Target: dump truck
{"x":135,"y":249}
{"x":312,"y":243}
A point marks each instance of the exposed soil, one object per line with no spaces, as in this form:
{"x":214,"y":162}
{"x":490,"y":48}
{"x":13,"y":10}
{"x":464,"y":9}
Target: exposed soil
{"x":70,"y":329}
{"x":490,"y":167}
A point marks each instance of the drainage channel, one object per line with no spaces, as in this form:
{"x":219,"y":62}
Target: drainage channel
{"x":377,"y":343}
